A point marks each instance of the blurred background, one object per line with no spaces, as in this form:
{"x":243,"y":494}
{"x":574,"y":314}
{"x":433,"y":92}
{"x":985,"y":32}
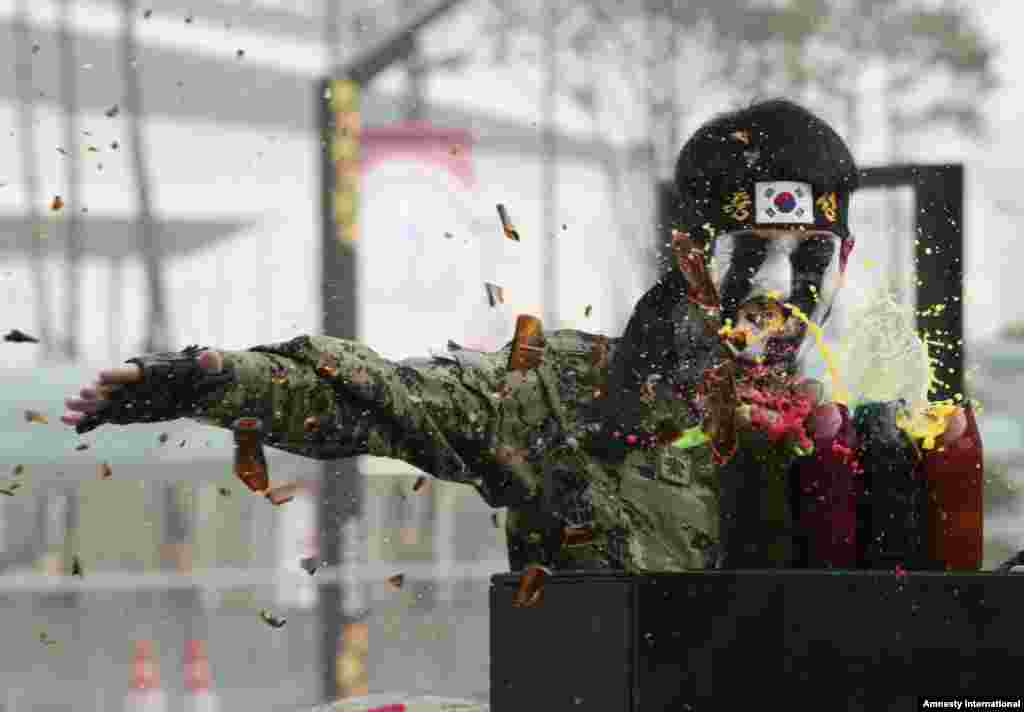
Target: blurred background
{"x":162,"y":183}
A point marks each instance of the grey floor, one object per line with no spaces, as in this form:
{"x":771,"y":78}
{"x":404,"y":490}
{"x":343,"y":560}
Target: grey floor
{"x":439,"y":648}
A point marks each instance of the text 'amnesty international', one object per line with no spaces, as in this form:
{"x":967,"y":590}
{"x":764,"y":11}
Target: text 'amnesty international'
{"x":969,"y":703}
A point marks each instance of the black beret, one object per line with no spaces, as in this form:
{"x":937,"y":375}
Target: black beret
{"x":727,"y":174}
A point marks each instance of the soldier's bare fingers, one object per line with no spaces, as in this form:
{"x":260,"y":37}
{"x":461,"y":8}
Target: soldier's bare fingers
{"x":212,"y":361}
{"x":121,"y":376}
{"x":72,"y":419}
{"x":956,"y":425}
{"x":89,"y":393}
{"x":82,"y":405}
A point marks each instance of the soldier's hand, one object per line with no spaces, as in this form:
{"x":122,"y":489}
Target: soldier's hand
{"x":956,"y":426}
{"x":118,"y":385}
{"x":944,"y":424}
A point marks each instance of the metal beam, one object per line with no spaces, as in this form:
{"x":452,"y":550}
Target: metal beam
{"x":396,"y":48}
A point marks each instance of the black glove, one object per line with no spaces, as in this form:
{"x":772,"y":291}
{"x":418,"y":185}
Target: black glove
{"x":173,"y":386}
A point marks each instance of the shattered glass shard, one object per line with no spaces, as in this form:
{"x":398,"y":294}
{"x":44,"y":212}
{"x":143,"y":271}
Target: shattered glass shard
{"x":327,"y":366}
{"x":33,"y":416}
{"x":20,"y":337}
{"x":272,"y":620}
{"x":531,"y":587}
{"x":250,"y":461}
{"x":495,"y":294}
{"x":506,"y":224}
{"x":528,"y":344}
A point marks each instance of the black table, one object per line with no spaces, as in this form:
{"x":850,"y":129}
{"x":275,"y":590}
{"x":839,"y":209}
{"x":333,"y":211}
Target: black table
{"x":779,"y":639}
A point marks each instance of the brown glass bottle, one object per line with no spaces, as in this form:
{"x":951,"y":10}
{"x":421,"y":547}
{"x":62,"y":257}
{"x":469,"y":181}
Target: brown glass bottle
{"x":250,"y":462}
{"x":954,"y":475}
{"x":528,"y":344}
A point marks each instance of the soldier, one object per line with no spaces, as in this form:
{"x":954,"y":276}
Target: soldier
{"x":577,"y":447}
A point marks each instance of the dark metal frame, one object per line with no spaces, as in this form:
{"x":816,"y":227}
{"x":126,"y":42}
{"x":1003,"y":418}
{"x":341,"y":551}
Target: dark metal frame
{"x":938,"y":255}
{"x":939,"y":210}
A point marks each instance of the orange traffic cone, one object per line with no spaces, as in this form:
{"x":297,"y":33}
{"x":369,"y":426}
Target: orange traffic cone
{"x":198,"y":695}
{"x":145,"y":694}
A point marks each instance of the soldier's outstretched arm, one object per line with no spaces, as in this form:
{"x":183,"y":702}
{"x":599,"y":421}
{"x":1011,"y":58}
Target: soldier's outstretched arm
{"x":316,"y":396}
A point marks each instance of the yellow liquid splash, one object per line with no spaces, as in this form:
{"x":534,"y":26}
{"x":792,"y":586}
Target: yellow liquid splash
{"x":889,"y":361}
{"x":882,"y":355}
{"x":839,"y":392}
{"x":926,"y":423}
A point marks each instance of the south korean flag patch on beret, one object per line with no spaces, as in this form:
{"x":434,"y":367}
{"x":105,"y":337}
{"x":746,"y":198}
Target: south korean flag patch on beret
{"x":783,"y":201}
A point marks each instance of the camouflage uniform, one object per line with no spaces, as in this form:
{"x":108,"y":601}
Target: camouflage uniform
{"x":523,"y":440}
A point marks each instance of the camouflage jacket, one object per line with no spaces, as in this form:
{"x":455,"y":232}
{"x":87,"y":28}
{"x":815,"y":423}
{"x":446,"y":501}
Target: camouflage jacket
{"x":520,"y":439}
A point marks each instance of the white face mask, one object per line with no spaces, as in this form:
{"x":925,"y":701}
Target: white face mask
{"x":756,"y":271}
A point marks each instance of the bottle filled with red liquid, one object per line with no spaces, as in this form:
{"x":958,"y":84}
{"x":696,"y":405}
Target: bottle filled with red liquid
{"x":954,"y":475}
{"x":828,"y":486}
